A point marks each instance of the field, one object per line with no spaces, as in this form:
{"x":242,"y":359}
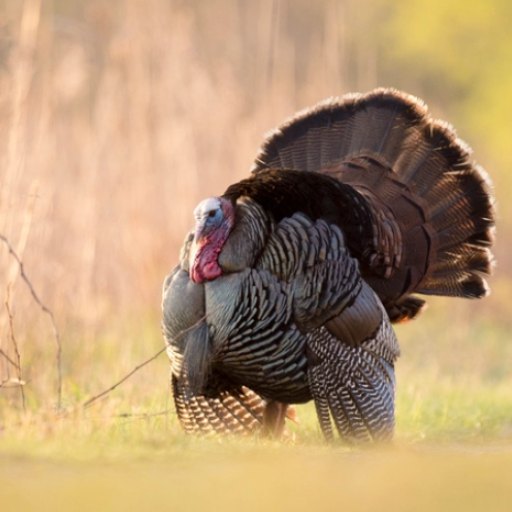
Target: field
{"x":117,"y":118}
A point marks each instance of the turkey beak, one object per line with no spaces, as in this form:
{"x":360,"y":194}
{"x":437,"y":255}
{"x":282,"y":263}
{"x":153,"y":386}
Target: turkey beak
{"x":200,"y":231}
{"x":200,"y":227}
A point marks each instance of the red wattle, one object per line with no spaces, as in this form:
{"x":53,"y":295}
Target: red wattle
{"x":205,"y":265}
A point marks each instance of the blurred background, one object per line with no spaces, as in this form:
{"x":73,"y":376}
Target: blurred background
{"x":118,"y":117}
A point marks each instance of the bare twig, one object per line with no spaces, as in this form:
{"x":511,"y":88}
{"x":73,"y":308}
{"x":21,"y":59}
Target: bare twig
{"x":130,"y":418}
{"x":144,"y":415}
{"x":111,"y":388}
{"x":45,"y":310}
{"x":15,"y":345}
{"x":2,"y":353}
{"x":137,"y":368}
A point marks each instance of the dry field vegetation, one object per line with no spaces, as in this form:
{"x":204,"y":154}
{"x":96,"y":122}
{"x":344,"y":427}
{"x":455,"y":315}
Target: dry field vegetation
{"x":116,"y":118}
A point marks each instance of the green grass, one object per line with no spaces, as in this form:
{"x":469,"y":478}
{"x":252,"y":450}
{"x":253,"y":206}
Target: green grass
{"x":96,"y":463}
{"x":452,"y":449}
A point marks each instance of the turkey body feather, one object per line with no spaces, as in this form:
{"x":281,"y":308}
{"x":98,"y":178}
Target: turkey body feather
{"x":295,"y":275}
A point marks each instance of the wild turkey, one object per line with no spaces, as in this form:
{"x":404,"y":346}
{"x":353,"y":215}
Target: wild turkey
{"x":293,"y":276}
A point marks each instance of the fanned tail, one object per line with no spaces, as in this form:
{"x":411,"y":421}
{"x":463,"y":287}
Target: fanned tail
{"x":430,"y":208}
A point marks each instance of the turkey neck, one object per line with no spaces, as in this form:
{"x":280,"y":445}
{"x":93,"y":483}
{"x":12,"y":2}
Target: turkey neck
{"x":251,"y":229}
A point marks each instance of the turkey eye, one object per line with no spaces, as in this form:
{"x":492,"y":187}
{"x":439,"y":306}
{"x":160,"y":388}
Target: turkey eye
{"x":211,"y":214}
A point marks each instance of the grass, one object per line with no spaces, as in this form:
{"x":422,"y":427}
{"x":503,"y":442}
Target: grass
{"x":95,"y":461}
{"x":452,"y":451}
{"x":432,"y":412}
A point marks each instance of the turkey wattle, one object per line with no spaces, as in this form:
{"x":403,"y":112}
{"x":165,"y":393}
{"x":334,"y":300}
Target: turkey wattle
{"x":293,"y":276}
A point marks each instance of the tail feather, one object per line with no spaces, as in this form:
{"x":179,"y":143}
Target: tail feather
{"x":435,"y":154}
{"x":334,"y":130}
{"x":479,"y":260}
{"x":407,"y":309}
{"x":407,"y":167}
{"x":459,"y":233}
{"x":455,"y":285}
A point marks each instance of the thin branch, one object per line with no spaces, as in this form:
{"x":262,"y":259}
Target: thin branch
{"x":2,"y":353}
{"x":45,"y":310}
{"x":137,"y":368}
{"x":144,"y":415}
{"x":15,"y":344}
{"x":111,"y":388}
